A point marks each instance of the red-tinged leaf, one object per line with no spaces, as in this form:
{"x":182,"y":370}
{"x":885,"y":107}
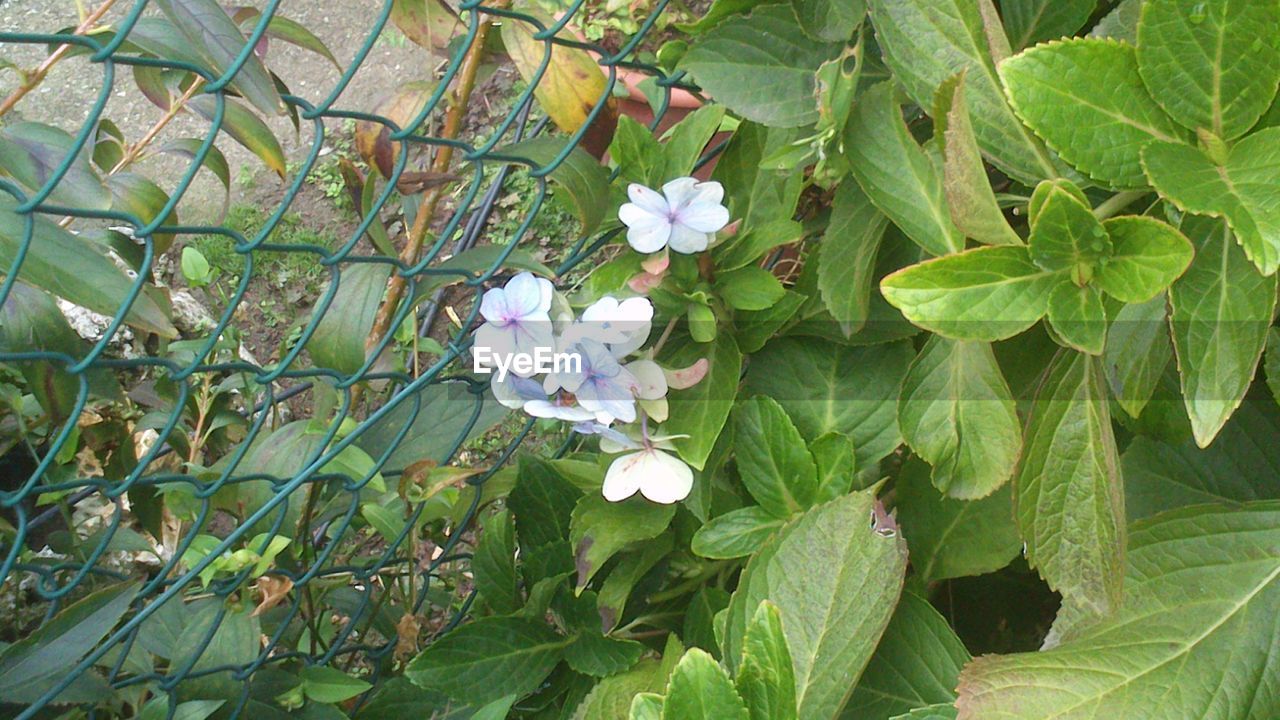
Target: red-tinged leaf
{"x":215,"y":162}
{"x":281,"y":28}
{"x":216,"y":37}
{"x":31,"y":153}
{"x":245,"y":128}
{"x":144,"y":200}
{"x":373,"y":140}
{"x":429,"y":23}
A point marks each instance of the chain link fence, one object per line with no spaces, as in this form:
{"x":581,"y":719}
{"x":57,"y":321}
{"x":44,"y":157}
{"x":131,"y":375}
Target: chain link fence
{"x":308,"y":491}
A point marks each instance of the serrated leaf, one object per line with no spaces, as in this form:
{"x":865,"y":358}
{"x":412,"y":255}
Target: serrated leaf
{"x":938,"y":711}
{"x":1065,"y":235}
{"x":853,"y":391}
{"x":1086,"y":99}
{"x":1211,"y":64}
{"x":954,"y":538}
{"x":834,"y":456}
{"x":847,"y":256}
{"x":1222,"y":308}
{"x":989,"y":293}
{"x":1121,"y":23}
{"x":1137,"y":352}
{"x":737,"y":533}
{"x":1033,"y":21}
{"x":957,"y":412}
{"x":775,"y":466}
{"x":701,"y":411}
{"x":765,"y":679}
{"x":1242,"y":464}
{"x":488,"y":659}
{"x":915,"y":665}
{"x":494,"y":565}
{"x":970,"y":199}
{"x":829,"y":21}
{"x":59,"y":262}
{"x":1201,"y":586}
{"x":925,"y":42}
{"x":1242,"y":189}
{"x":1070,"y":507}
{"x":611,"y":697}
{"x":31,"y":152}
{"x":1078,"y":318}
{"x":761,"y":66}
{"x":903,"y":180}
{"x":749,"y":288}
{"x":599,"y":529}
{"x":219,"y":41}
{"x":837,"y":572}
{"x":1147,"y":256}
{"x":699,"y":689}
{"x":592,"y":652}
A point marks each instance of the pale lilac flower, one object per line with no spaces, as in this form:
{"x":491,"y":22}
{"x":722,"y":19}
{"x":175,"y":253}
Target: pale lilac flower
{"x":558,"y":407}
{"x":601,"y":385}
{"x":517,"y":317}
{"x":684,"y":216}
{"x":513,"y":392}
{"x":622,"y":325}
{"x":658,"y":476}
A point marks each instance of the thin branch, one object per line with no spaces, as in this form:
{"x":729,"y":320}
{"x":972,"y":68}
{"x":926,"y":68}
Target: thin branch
{"x":33,"y":79}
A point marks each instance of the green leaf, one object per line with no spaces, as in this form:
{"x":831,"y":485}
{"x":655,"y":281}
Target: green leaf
{"x":494,"y":565}
{"x":736,"y":533}
{"x":903,"y":180}
{"x":701,"y":411}
{"x":1147,"y":257}
{"x":489,"y":658}
{"x":828,"y":21}
{"x":447,"y":414}
{"x":1242,"y":189}
{"x":754,"y":329}
{"x":1201,"y":586}
{"x":34,"y":665}
{"x":215,"y":36}
{"x":542,"y":502}
{"x":1070,"y":508}
{"x":59,"y":262}
{"x":1221,"y":311}
{"x":749,"y":288}
{"x":833,"y":454}
{"x":837,"y":572}
{"x":957,"y":412}
{"x":1121,"y":23}
{"x":761,"y":66}
{"x":1212,"y":65}
{"x":611,"y":697}
{"x":700,"y":689}
{"x":30,"y":321}
{"x":938,"y":711}
{"x":916,"y":664}
{"x":847,"y":256}
{"x":683,"y":144}
{"x":592,"y":652}
{"x":1033,"y":21}
{"x":624,"y":576}
{"x":245,"y":128}
{"x":970,"y":199}
{"x":1242,"y":464}
{"x":755,"y":194}
{"x":719,"y":10}
{"x":215,"y":162}
{"x":290,"y":31}
{"x":330,"y":685}
{"x":646,"y":706}
{"x":599,"y":529}
{"x":143,"y":200}
{"x":1137,"y":351}
{"x":925,"y":42}
{"x":1086,"y":99}
{"x":338,"y":341}
{"x":987,"y":294}
{"x":1078,"y":318}
{"x":765,"y":677}
{"x":954,"y":538}
{"x":158,"y":709}
{"x":853,"y":391}
{"x":585,"y":180}
{"x":1065,"y":235}
{"x":31,"y":152}
{"x":775,"y":466}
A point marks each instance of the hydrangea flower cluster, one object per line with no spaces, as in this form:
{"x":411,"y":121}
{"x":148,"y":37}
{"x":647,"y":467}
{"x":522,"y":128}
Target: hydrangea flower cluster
{"x":595,"y":378}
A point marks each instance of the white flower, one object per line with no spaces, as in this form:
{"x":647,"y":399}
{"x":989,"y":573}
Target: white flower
{"x":518,"y":317}
{"x":658,"y":476}
{"x":513,"y":392}
{"x":684,"y":216}
{"x":601,"y":385}
{"x":622,"y":325}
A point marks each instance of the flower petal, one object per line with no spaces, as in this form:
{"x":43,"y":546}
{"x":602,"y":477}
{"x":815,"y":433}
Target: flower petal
{"x":527,"y":295}
{"x":493,"y":306}
{"x":651,"y":383}
{"x":685,"y":239}
{"x":666,"y":479}
{"x":557,"y":411}
{"x":649,"y":233}
{"x":624,"y":476}
{"x":650,"y":201}
{"x":680,"y":191}
{"x":513,"y":392}
{"x":703,"y":217}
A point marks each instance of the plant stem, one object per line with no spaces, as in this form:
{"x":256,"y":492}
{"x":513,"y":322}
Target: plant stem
{"x":32,"y":80}
{"x":431,"y":198}
{"x":1117,"y":202}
